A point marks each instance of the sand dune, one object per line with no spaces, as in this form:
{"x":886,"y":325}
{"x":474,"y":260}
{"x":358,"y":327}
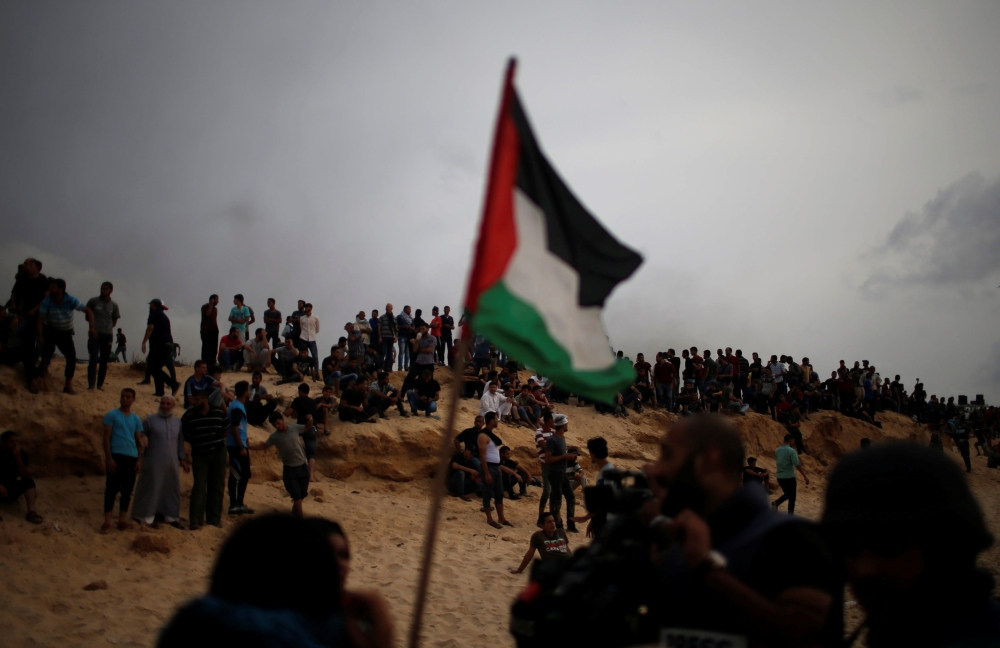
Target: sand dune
{"x":375,"y":480}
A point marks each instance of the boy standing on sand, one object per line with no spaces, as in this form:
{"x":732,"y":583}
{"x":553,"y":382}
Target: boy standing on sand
{"x":295,"y":471}
{"x":239,"y":455}
{"x":122,"y":459}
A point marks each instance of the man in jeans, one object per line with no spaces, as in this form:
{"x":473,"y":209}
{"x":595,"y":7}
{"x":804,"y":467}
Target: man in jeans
{"x":210,"y":329}
{"x":309,"y":330}
{"x":55,"y":329}
{"x":404,"y":329}
{"x":205,"y":428}
{"x":787,"y":462}
{"x":240,"y":316}
{"x":272,"y":324}
{"x":28,"y":292}
{"x":161,"y":347}
{"x":556,"y":460}
{"x":387,"y":335}
{"x":106,"y":316}
{"x":445,"y":341}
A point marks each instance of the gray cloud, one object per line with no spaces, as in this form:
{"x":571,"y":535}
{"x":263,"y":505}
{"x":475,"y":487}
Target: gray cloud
{"x":898,"y":96}
{"x":952,"y":242}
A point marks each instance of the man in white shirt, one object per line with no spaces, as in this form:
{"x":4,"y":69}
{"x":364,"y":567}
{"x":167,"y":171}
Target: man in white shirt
{"x":778,"y":371}
{"x":309,"y":324}
{"x":494,"y":401}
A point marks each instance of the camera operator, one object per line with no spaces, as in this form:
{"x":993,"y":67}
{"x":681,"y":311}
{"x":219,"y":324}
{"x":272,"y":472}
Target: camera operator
{"x":736,"y":571}
{"x":908,"y":529}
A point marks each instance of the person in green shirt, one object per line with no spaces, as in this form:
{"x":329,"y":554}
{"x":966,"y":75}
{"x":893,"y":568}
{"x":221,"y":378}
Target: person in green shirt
{"x":787,"y":462}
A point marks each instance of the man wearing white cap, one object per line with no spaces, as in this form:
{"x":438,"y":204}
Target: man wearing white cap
{"x":556,"y":458}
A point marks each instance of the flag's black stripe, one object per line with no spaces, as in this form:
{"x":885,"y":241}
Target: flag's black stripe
{"x":575,"y":236}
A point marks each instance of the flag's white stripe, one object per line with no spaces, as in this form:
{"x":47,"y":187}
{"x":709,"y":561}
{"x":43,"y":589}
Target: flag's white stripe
{"x":551,"y":285}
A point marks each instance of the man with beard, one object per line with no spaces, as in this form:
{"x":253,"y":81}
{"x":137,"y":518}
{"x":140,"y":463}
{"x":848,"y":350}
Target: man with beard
{"x":736,"y":572}
{"x":902,"y":519}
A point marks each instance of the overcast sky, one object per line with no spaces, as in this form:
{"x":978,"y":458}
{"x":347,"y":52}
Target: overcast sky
{"x":816,"y":179}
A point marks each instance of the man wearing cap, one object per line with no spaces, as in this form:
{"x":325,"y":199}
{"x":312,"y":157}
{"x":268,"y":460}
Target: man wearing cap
{"x":161,"y":347}
{"x":556,"y":460}
{"x":908,"y":529}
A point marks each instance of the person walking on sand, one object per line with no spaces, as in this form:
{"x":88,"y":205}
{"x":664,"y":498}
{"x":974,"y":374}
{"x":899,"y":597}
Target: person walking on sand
{"x":210,"y":329}
{"x":489,"y":457}
{"x":551,"y":543}
{"x":120,"y":343}
{"x":787,"y":462}
{"x":161,"y":347}
{"x":239,"y":455}
{"x":295,"y":468}
{"x":55,"y":329}
{"x":158,"y":489}
{"x":122,"y":458}
{"x":106,"y":316}
{"x":205,"y":428}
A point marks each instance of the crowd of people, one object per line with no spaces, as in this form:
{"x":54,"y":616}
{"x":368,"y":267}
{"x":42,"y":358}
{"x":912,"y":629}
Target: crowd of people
{"x":201,"y":426}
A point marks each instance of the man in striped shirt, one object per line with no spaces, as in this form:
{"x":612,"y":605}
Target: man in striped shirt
{"x":542,"y":435}
{"x":55,"y":328}
{"x":205,"y":428}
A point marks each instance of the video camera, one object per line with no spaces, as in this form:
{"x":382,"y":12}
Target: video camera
{"x":603,"y":595}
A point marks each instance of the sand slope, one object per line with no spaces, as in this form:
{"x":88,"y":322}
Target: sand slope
{"x":375,"y":480}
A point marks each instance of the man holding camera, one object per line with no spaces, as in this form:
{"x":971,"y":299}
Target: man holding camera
{"x":731,"y":570}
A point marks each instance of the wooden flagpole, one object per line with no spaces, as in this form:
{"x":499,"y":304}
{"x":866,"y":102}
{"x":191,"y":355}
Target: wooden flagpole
{"x":438,"y":489}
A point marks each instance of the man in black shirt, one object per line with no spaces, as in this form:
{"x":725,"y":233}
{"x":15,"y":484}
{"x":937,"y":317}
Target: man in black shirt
{"x":29,"y":290}
{"x":424,"y":395}
{"x":463,"y":476}
{"x":354,"y":405}
{"x":205,"y":428}
{"x":754,"y":474}
{"x":736,"y":571}
{"x":15,"y":479}
{"x":469,"y":439}
{"x":907,"y":529}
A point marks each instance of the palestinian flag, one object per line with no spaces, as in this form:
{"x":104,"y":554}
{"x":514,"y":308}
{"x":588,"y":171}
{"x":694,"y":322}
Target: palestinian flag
{"x":544,"y":266}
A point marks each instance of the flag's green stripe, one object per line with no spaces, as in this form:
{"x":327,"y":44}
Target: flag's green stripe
{"x":517,"y":328}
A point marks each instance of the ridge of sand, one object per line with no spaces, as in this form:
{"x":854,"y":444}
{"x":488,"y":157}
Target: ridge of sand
{"x":375,"y":479}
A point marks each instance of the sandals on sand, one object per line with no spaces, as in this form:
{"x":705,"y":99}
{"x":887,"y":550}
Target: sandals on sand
{"x":495,"y":525}
{"x":33,"y":517}
{"x":507,"y":523}
{"x":105,"y":528}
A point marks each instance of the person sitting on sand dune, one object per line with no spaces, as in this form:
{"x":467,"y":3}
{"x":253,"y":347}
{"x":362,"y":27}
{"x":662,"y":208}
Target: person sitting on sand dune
{"x":15,"y":478}
{"x":551,"y":543}
{"x":354,"y":406}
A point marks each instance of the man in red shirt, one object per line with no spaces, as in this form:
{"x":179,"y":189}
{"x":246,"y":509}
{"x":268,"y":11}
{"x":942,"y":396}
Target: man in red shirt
{"x":664,"y":381}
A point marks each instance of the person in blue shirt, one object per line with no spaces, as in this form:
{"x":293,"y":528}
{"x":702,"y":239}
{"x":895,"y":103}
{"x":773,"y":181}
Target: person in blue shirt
{"x":123,"y":447}
{"x":787,"y":462}
{"x":239,"y":454}
{"x":199,"y":381}
{"x":55,"y":329}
